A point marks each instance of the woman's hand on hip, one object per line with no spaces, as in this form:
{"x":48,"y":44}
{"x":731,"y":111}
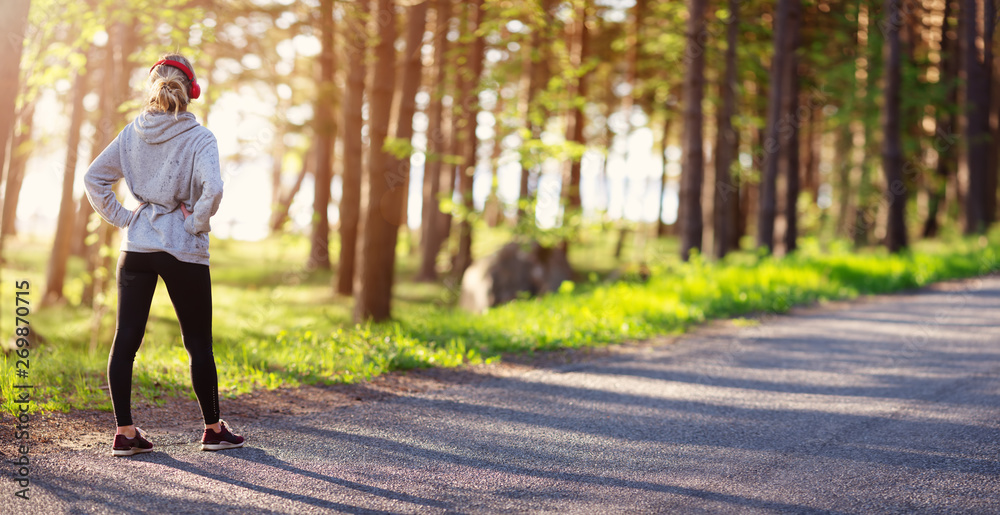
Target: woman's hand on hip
{"x":185,"y":211}
{"x":133,"y":213}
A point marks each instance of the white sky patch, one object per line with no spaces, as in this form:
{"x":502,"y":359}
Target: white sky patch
{"x":251,"y":61}
{"x":285,"y":49}
{"x":307,"y":46}
{"x":284,"y":91}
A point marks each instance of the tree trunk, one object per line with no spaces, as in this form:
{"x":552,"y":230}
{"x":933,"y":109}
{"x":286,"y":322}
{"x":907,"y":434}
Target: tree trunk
{"x":694,"y":159}
{"x":809,"y":161}
{"x":977,"y":101}
{"x":84,"y":242}
{"x":608,"y":139}
{"x":493,"y":208}
{"x":117,"y":65}
{"x":431,"y":221}
{"x":122,"y":43}
{"x":211,"y":94}
{"x":393,"y":204}
{"x":726,"y":190}
{"x":574,"y":129}
{"x":771,"y":144}
{"x":15,"y":20}
{"x":78,"y":234}
{"x":790,"y":146}
{"x":892,"y":145}
{"x":869,"y":90}
{"x":350,"y":202}
{"x":277,"y":163}
{"x":531,"y":81}
{"x":661,"y":227}
{"x":326,"y":126}
{"x":747,"y":207}
{"x":944,"y":133}
{"x":278,"y":153}
{"x":842,"y":168}
{"x":374,"y":289}
{"x":13,"y":25}
{"x":536,"y":74}
{"x":633,"y":47}
{"x":106,"y":129}
{"x":283,"y":205}
{"x":460,"y":97}
{"x":56,"y":276}
{"x":992,"y":123}
{"x":100,"y":264}
{"x":470,"y":109}
{"x":21,"y":146}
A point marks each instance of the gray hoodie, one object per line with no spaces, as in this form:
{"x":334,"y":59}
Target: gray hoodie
{"x":165,"y":162}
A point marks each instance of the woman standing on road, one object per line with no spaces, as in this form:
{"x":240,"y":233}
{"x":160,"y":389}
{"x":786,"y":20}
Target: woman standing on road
{"x":169,"y":162}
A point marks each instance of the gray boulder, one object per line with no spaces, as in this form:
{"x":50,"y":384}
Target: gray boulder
{"x":510,"y":272}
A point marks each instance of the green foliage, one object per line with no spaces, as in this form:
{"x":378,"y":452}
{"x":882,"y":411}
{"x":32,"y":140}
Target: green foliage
{"x":528,"y":230}
{"x":277,"y":325}
{"x":398,"y":148}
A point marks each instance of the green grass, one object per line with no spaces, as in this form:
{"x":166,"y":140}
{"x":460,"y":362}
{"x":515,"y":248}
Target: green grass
{"x":276,"y":324}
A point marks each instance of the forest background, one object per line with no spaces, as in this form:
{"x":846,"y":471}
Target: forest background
{"x":696,"y":159}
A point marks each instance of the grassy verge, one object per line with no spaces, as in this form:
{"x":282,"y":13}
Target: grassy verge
{"x":278,"y":325}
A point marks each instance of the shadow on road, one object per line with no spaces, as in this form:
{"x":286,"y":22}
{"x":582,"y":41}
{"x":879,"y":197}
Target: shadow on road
{"x":392,"y":447}
{"x":262,"y":457}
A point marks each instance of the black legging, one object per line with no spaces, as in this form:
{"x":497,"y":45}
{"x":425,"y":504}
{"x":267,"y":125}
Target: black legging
{"x":190,"y":289}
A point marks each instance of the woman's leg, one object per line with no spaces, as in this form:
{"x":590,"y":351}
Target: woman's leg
{"x":190,"y":289}
{"x":136,"y":284}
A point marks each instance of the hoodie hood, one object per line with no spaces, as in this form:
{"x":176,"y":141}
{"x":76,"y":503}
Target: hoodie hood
{"x":155,"y":127}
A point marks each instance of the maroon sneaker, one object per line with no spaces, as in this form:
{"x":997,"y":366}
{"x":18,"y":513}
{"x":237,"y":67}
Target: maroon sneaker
{"x":125,"y":446}
{"x":224,"y":439}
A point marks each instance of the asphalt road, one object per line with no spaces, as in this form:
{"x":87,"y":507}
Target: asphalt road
{"x":887,"y":405}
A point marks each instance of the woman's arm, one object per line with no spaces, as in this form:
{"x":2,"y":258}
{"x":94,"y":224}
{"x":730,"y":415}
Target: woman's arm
{"x":208,"y":174}
{"x":100,"y":181}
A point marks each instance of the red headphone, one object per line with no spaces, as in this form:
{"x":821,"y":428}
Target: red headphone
{"x":195,"y":90}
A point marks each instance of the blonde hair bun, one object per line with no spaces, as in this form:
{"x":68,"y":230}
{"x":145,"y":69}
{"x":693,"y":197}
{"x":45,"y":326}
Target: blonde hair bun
{"x":168,"y":87}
